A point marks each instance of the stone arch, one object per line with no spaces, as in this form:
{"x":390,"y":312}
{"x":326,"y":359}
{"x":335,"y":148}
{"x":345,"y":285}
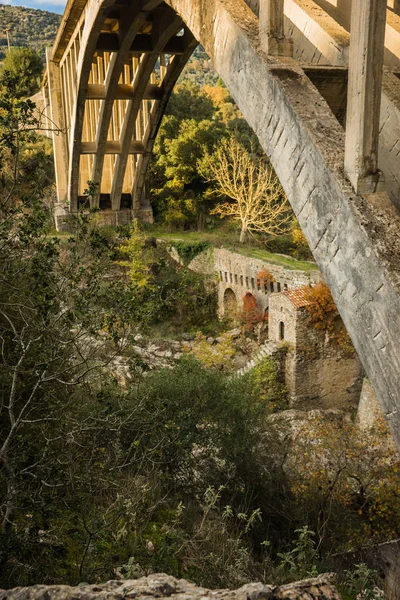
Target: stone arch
{"x":230,"y":303}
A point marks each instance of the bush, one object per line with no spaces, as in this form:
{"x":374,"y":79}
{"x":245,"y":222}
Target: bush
{"x":21,"y":71}
{"x":268,"y":384}
{"x":161,"y":291}
{"x":189,"y":250}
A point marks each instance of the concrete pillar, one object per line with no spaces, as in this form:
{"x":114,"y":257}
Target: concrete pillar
{"x":59,"y":136}
{"x":272,"y":35}
{"x":368,"y":21}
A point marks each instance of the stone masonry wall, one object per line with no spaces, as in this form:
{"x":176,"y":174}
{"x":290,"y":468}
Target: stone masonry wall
{"x":239,"y":273}
{"x":319,"y":373}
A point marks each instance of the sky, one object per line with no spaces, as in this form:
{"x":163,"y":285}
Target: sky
{"x":56,"y":6}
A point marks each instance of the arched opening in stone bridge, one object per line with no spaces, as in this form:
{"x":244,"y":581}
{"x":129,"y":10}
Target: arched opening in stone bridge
{"x":230,"y":303}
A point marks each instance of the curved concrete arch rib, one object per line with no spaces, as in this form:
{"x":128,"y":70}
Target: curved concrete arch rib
{"x":94,"y":19}
{"x":167,"y":26}
{"x":355,"y":239}
{"x":157,"y":112}
{"x":132,"y":18}
{"x":104,"y":112}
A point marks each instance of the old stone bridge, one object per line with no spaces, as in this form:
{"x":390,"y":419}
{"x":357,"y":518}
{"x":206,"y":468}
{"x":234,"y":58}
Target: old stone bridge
{"x":322,"y":102}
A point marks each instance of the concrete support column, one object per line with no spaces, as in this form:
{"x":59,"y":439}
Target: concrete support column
{"x":368,"y":22}
{"x":272,"y":35}
{"x":141,"y":207}
{"x":59,"y":136}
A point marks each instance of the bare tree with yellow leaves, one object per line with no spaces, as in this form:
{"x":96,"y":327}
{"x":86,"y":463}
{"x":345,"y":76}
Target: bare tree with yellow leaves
{"x":258,"y":202}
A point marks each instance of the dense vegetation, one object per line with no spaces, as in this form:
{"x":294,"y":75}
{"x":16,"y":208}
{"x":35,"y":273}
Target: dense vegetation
{"x":185,"y":470}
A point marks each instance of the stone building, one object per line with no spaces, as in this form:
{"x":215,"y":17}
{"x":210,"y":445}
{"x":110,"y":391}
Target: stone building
{"x":238,"y":276}
{"x":319,"y":371}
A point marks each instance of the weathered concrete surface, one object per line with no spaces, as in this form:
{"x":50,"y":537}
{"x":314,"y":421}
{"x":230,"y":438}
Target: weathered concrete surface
{"x":355,"y":240}
{"x":339,"y":12}
{"x":164,"y":586}
{"x":368,"y":24}
{"x":319,"y":39}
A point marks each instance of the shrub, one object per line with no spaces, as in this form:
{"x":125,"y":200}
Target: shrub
{"x":219,"y":355}
{"x":325,"y":316}
{"x":189,"y":251}
{"x":267,"y":384}
{"x":161,"y":291}
{"x":251,"y":316}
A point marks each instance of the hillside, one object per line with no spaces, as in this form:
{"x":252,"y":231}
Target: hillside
{"x":38,"y":28}
{"x":29,"y":27}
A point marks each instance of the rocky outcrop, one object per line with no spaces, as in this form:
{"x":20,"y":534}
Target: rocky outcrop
{"x":164,"y":586}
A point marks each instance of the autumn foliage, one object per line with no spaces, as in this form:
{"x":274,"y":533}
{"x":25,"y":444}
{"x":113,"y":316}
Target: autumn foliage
{"x":347,"y":480}
{"x":321,"y":307}
{"x":264,"y":277}
{"x":325,"y":315}
{"x":251,"y":314}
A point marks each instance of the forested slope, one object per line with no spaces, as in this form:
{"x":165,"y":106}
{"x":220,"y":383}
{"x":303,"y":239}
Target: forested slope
{"x":38,"y":28}
{"x":28,"y":27}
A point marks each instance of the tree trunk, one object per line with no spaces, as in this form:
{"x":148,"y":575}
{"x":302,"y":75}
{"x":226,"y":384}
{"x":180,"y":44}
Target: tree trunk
{"x":243,"y":236}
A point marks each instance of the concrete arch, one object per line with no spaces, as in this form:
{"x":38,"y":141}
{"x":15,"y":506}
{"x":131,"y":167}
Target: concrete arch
{"x":95,"y":15}
{"x":109,"y":109}
{"x":355,"y":240}
{"x":305,"y":144}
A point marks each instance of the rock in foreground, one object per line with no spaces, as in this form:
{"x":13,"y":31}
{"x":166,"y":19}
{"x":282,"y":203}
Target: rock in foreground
{"x":164,"y":586}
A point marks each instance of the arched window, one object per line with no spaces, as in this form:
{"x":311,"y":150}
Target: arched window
{"x":281,"y":330}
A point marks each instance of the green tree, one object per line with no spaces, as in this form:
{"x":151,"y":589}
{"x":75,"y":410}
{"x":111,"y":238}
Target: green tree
{"x":50,"y":316}
{"x":190,"y":102}
{"x":179,"y":189}
{"x":159,"y":291}
{"x":196,"y":122}
{"x":21,"y":71}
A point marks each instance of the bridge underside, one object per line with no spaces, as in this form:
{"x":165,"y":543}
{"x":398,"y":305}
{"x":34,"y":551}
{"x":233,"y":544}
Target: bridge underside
{"x":113,"y":68}
{"x":107,"y":86}
{"x":109,"y":78}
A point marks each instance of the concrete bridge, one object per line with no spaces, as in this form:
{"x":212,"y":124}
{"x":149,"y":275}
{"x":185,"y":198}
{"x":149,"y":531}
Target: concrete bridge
{"x":324,"y":105}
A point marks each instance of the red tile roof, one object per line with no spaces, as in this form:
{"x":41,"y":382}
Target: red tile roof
{"x":299,"y":297}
